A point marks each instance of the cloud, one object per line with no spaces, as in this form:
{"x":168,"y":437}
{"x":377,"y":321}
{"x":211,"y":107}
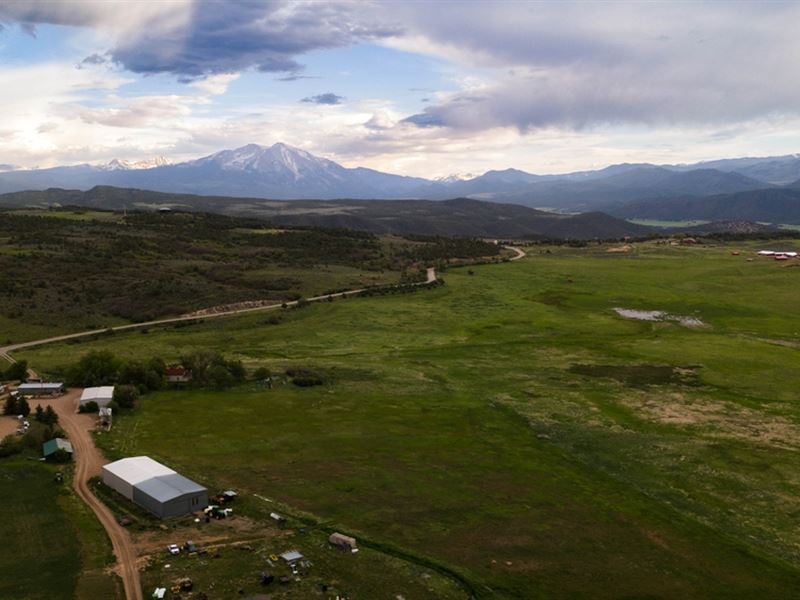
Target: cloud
{"x":216,"y":84}
{"x":296,"y":77}
{"x":579,"y":65}
{"x":327,"y":98}
{"x":94,"y":59}
{"x":142,"y":111}
{"x":196,"y":39}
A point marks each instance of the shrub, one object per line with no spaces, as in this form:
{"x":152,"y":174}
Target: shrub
{"x":11,"y":445}
{"x":304,"y":377}
{"x":126,"y":395}
{"x":60,"y":456}
{"x":89,"y":407}
{"x":262,"y":373}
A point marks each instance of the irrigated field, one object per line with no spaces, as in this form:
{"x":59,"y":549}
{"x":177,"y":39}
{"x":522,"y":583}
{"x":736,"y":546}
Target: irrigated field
{"x":513,"y":426}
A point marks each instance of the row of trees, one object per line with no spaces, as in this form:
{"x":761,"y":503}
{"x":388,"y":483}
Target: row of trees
{"x":19,"y":406}
{"x":135,"y":377}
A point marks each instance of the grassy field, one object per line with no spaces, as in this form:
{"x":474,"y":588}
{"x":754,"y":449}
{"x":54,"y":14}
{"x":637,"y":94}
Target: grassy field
{"x":52,"y":545}
{"x":512,"y":426}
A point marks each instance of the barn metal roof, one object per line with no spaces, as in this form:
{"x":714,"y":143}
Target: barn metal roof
{"x":51,"y":446}
{"x":33,"y":387}
{"x":168,"y":487}
{"x":105,"y":392}
{"x":136,"y":469}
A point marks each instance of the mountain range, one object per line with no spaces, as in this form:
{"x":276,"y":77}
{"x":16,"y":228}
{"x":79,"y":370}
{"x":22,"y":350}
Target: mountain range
{"x":282,"y":172}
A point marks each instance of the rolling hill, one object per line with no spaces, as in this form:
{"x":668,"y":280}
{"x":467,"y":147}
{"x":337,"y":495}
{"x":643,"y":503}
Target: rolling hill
{"x":462,"y":216}
{"x":774,"y":205}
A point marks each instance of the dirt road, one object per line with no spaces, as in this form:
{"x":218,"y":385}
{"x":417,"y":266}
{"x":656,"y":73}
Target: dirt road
{"x":6,"y":350}
{"x":88,"y":463}
{"x":520,"y":253}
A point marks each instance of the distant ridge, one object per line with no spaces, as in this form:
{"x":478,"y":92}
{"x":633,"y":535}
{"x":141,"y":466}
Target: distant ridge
{"x":774,"y":205}
{"x":460,"y":216}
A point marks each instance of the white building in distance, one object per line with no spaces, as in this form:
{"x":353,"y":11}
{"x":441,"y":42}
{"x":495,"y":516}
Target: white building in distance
{"x":102,"y":395}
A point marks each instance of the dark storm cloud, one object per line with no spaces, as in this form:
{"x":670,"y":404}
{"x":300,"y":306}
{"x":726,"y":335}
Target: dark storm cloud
{"x":327,"y":98}
{"x":219,"y":37}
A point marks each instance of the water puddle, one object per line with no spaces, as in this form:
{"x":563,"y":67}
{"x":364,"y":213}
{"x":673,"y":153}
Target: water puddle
{"x":659,"y":315}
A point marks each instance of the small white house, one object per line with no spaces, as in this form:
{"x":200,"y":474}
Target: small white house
{"x":102,"y":395}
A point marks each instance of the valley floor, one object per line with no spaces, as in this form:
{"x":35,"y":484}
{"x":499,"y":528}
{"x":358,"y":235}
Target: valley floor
{"x":513,"y":427}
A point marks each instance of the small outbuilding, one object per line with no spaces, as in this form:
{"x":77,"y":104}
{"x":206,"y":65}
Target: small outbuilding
{"x":101,"y":395}
{"x":291,"y":556}
{"x":55,"y":388}
{"x":155,"y":487}
{"x":343,"y":542}
{"x":178,"y":374}
{"x":50,"y":447}
{"x":105,"y":415}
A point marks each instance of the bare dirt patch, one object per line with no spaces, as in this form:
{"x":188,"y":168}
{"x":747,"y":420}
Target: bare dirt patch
{"x":718,"y":418}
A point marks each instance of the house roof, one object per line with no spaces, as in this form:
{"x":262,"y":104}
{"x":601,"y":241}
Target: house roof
{"x":51,"y":446}
{"x":168,"y":487}
{"x":137,"y":469}
{"x":98,"y":393}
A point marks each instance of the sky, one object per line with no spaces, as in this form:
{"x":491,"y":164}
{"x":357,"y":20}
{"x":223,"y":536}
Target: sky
{"x":424,"y":88}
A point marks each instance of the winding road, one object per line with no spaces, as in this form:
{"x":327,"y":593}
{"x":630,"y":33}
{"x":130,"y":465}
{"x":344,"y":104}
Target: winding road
{"x":89,"y":460}
{"x":88,"y":463}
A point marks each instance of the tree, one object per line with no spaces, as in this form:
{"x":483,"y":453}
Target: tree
{"x":10,"y":407}
{"x":89,"y":407}
{"x":236,"y":369}
{"x":219,"y":377}
{"x":23,"y":408}
{"x":50,"y":416}
{"x":18,"y":371}
{"x":126,"y":395}
{"x":95,"y":368}
{"x":39,"y":416}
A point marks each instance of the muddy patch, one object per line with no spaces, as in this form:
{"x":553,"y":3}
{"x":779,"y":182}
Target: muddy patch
{"x":660,"y":315}
{"x":640,"y":375}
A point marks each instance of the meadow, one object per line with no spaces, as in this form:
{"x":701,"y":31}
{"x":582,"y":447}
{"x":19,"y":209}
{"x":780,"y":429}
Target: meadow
{"x":52,"y":545}
{"x":510,"y":425}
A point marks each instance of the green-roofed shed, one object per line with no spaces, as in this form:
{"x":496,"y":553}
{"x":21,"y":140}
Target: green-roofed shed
{"x":50,"y":446}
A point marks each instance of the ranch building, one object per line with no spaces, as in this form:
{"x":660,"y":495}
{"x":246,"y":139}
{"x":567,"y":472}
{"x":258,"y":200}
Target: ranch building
{"x":102,"y":395}
{"x":51,"y":446}
{"x":41,"y":389}
{"x":155,"y":487}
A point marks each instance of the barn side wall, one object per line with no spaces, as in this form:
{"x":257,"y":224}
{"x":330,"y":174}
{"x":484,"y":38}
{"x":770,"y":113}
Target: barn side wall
{"x":118,"y":484}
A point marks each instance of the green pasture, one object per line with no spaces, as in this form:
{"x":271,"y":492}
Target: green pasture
{"x":509,"y":425}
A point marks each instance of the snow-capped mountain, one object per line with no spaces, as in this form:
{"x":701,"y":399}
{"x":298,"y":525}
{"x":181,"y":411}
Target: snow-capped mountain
{"x":454,"y":177}
{"x":283,"y":172}
{"x":279,"y":161}
{"x":127,"y":165}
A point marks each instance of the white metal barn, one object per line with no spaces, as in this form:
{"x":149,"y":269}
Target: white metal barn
{"x":102,"y":395}
{"x":155,"y":487}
